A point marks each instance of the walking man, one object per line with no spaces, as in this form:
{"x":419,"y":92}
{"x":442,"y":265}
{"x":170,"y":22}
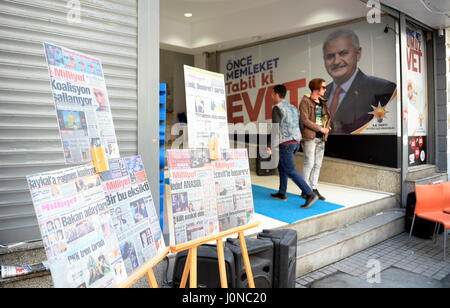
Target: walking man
{"x":316,"y":126}
{"x":286,"y":116}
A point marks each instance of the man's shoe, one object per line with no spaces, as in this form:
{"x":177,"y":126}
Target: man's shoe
{"x":322,"y":198}
{"x":279,"y":196}
{"x":310,"y":201}
{"x":304,"y":196}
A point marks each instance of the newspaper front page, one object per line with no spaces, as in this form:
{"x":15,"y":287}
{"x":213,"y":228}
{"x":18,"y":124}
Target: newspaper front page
{"x":133,"y":211}
{"x":97,"y":230}
{"x":82,"y":104}
{"x":206,"y":108}
{"x":193,"y":212}
{"x":76,"y":226}
{"x":208,"y":197}
{"x":233,"y":187}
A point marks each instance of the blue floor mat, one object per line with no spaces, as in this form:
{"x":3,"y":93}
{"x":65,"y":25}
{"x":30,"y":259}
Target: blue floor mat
{"x":288,"y":211}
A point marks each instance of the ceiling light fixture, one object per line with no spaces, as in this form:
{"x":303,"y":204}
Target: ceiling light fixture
{"x":188,"y":15}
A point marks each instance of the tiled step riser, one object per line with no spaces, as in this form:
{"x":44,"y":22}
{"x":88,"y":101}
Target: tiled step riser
{"x":338,"y":219}
{"x":329,"y":254}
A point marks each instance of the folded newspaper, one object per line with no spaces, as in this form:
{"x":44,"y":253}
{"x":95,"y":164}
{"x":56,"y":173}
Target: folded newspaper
{"x":16,"y":271}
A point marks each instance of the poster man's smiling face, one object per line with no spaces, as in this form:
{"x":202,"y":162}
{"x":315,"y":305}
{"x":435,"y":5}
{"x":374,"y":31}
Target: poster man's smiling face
{"x":341,"y":59}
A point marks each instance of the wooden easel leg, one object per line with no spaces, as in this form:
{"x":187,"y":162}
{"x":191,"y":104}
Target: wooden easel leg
{"x":222,"y":266}
{"x":245,"y":258}
{"x":190,"y":269}
{"x":152,"y":279}
{"x":187,"y":268}
{"x":193,"y":271}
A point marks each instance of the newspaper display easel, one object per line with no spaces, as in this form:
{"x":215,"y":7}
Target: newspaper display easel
{"x":74,"y":205}
{"x":190,"y":269}
{"x":146,"y":270}
{"x":208,"y":129}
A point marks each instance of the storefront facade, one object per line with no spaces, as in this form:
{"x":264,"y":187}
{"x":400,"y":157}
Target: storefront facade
{"x":404,"y":124}
{"x":125,"y":35}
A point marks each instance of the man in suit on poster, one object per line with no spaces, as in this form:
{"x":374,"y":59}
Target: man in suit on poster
{"x":352,"y":93}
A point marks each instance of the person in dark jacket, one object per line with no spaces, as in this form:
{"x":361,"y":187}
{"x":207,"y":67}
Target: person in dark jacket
{"x":286,"y":116}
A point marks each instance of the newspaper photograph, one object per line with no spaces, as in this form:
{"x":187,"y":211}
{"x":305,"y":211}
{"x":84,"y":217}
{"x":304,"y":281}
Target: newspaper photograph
{"x":233,"y":188}
{"x":133,"y":211}
{"x":82,"y":104}
{"x":76,"y":227}
{"x":191,"y":205}
{"x":206,"y":108}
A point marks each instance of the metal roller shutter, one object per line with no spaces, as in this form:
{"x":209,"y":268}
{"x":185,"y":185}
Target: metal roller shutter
{"x":29,"y":137}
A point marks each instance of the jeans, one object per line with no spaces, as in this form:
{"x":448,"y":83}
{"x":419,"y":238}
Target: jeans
{"x":286,"y":167}
{"x":314,"y":151}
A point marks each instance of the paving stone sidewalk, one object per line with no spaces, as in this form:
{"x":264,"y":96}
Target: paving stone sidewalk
{"x":418,"y":263}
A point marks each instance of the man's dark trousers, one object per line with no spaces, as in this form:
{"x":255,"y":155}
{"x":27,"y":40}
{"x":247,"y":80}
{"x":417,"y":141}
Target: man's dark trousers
{"x":286,"y":167}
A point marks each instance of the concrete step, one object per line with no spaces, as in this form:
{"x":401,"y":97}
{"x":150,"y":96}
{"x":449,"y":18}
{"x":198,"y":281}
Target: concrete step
{"x":25,"y":254}
{"x":34,"y":253}
{"x":42,"y":280}
{"x":332,"y":246}
{"x":348,"y":173}
{"x":331,"y":221}
{"x":431,"y":179}
{"x":418,"y":172}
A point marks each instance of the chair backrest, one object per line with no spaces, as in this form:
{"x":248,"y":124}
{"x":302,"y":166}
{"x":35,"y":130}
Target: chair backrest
{"x":430,"y":198}
{"x":446,"y":192}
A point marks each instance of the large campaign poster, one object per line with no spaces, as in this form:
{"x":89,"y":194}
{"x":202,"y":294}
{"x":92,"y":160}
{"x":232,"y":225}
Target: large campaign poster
{"x":76,"y":226}
{"x":82,"y":104}
{"x":133,"y":211}
{"x":360,"y":58}
{"x":206,"y":109}
{"x":416,"y":75}
{"x":417,"y":93}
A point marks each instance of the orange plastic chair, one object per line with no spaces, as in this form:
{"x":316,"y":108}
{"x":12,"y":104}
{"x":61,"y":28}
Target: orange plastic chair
{"x":446,"y":188}
{"x":430,"y":206}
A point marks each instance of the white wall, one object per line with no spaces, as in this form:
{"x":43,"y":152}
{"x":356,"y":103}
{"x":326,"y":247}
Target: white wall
{"x":172,"y":73}
{"x":148,"y":92}
{"x":175,"y":33}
